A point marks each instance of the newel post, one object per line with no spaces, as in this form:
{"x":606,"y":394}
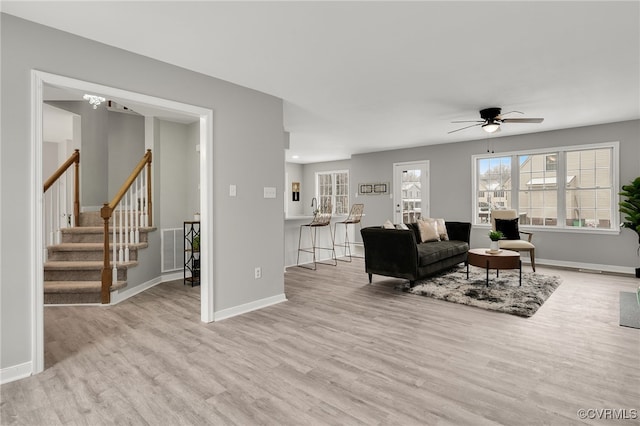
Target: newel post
{"x":149,"y":191}
{"x":105,"y":292}
{"x":76,"y":190}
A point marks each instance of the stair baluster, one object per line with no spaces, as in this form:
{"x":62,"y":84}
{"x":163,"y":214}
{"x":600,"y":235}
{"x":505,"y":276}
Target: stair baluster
{"x":137,"y":212}
{"x":126,"y":228}
{"x":114,"y":259}
{"x":121,"y":250}
{"x":145,"y":218}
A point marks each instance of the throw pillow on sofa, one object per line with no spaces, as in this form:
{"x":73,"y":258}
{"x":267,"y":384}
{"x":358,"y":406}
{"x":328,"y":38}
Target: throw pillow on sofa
{"x":388,"y":225}
{"x":509,"y":228}
{"x":442,"y":230}
{"x":428,"y":230}
{"x":440,"y":226}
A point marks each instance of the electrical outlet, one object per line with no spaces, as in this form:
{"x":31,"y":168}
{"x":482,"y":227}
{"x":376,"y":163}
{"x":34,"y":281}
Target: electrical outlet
{"x":258,"y":272}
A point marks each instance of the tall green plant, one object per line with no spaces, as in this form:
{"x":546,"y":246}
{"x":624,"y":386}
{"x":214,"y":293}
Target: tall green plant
{"x":630,"y":206}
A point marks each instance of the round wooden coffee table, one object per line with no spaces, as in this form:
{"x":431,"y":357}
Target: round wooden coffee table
{"x":503,"y":259}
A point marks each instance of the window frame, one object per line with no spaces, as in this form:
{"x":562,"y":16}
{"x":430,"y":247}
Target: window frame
{"x":561,"y":186}
{"x":333,"y":174}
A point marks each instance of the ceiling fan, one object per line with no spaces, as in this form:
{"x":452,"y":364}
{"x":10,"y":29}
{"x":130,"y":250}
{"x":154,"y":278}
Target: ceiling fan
{"x":493,"y":117}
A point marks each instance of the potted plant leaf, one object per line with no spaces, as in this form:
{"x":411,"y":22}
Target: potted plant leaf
{"x":630,"y":208}
{"x":195,"y":246}
{"x":495,"y":236}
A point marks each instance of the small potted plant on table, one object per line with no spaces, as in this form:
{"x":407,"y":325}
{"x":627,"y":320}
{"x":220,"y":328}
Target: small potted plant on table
{"x":495,"y":236}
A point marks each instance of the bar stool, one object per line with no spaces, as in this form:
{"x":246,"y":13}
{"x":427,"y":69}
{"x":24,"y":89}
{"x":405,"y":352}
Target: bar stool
{"x":355,"y":216}
{"x":320,"y":220}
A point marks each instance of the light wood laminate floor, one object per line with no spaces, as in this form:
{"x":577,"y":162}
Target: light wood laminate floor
{"x":339,"y":351}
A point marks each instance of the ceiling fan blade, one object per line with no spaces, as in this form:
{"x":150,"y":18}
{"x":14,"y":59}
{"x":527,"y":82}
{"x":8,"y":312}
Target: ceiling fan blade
{"x":468,"y":121}
{"x":522,"y":120}
{"x":510,"y":112}
{"x":462,"y":128}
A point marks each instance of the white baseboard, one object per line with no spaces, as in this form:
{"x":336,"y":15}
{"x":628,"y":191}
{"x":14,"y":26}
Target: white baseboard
{"x":121,"y":295}
{"x":15,"y":372}
{"x":588,"y":266}
{"x":248,"y":307}
{"x":62,"y":305}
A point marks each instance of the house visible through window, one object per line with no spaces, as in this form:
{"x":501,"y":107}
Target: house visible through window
{"x":551,"y":162}
{"x":572,"y":187}
{"x":333,"y":191}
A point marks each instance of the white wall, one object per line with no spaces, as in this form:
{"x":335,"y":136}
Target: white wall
{"x":244,"y":121}
{"x":193,"y":170}
{"x":57,"y":124}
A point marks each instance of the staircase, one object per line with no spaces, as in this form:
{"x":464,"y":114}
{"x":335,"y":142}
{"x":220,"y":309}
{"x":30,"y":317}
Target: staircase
{"x":72,"y":272}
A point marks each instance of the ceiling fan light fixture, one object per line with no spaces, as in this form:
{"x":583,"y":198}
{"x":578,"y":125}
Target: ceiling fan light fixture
{"x":491,"y":126}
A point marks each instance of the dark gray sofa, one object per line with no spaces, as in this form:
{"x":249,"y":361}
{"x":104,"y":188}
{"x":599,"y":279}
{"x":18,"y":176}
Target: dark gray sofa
{"x":398,"y":253}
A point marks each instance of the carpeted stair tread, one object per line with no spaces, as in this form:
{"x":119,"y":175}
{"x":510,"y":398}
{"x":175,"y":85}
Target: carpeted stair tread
{"x":98,"y":229}
{"x":72,"y":274}
{"x":92,"y":246}
{"x":79,"y":286}
{"x":82,"y":265}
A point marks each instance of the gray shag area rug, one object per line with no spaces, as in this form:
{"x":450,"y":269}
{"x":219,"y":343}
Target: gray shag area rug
{"x":629,"y":310}
{"x":503,"y":294}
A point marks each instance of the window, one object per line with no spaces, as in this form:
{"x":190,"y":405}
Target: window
{"x":333,"y":191}
{"x":551,"y":162}
{"x":570,"y":187}
{"x":538,"y":190}
{"x":492,"y":184}
{"x":589,"y":188}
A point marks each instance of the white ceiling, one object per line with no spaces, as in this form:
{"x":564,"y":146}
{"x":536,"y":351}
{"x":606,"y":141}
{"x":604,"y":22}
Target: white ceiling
{"x":368,"y":76}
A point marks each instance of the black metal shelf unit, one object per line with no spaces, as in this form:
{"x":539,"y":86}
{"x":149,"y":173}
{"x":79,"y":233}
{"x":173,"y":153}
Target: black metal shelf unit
{"x":192,"y":253}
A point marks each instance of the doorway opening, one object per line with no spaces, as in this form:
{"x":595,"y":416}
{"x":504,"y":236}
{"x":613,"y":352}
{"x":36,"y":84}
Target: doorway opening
{"x":153,"y":105}
{"x":410,"y":191}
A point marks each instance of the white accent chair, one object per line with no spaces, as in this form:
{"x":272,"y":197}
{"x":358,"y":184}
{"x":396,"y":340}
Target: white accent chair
{"x":515,"y":245}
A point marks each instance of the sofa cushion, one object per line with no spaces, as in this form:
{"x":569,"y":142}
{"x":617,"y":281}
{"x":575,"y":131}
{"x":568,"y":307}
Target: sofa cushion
{"x":516,"y":245}
{"x":429,"y":253}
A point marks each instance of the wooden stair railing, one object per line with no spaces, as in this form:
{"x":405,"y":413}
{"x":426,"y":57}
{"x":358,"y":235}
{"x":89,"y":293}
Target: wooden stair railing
{"x":132,"y":219}
{"x":73,"y":159}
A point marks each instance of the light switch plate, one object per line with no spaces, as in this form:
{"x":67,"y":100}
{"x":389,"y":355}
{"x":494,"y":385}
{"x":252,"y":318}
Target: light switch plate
{"x":232,"y":190}
{"x":269,"y":192}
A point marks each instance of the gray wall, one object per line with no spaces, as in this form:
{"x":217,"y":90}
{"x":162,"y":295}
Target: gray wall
{"x":125,"y":140}
{"x":173,"y":179}
{"x":450,"y":187}
{"x":94,"y":170}
{"x":244,"y":121}
{"x":294,"y":173}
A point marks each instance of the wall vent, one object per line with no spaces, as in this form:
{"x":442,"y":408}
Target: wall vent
{"x":172,"y":249}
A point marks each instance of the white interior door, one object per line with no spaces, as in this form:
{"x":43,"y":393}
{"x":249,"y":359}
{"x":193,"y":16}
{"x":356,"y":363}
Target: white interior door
{"x":410,"y":191}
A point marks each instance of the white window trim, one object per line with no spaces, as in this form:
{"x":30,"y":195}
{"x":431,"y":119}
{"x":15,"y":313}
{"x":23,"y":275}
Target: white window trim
{"x":333,"y":204}
{"x":561,"y":151}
